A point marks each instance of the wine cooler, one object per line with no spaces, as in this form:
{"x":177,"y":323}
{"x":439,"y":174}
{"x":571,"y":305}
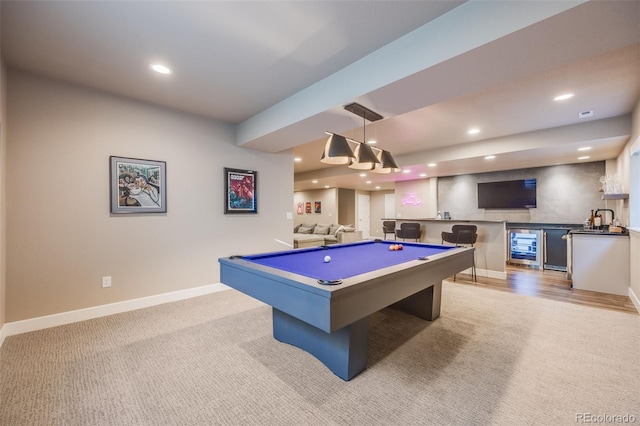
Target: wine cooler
{"x":525,"y":247}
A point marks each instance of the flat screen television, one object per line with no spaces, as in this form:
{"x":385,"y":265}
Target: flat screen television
{"x":510,"y":194}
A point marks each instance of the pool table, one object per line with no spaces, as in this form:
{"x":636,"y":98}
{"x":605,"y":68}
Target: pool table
{"x":323,"y":307}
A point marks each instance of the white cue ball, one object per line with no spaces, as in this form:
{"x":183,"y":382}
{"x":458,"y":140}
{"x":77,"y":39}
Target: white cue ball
{"x":327,"y":259}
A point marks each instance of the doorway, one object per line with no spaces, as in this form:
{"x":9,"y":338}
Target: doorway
{"x":390,"y":206}
{"x":364,"y":213}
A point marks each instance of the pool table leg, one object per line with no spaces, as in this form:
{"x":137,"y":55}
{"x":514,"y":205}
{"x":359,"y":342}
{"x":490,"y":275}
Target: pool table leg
{"x":344,"y":351}
{"x":424,"y":304}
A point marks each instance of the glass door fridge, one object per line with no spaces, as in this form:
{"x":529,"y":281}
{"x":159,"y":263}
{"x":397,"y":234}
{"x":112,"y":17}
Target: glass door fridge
{"x":525,"y":247}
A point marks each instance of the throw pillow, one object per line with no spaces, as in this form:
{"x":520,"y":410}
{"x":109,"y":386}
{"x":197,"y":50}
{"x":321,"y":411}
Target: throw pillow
{"x":304,"y":230}
{"x":321,"y":230}
{"x":295,"y":228}
{"x":338,"y":229}
{"x":333,"y":229}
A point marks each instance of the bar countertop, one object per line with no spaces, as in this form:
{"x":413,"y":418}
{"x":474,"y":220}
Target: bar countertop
{"x":433,"y":219}
{"x":624,"y":233}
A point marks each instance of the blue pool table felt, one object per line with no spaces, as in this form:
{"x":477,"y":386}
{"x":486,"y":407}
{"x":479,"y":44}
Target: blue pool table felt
{"x":346,"y":260}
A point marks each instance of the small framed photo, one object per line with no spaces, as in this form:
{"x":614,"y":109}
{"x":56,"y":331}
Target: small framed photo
{"x":318,"y":207}
{"x":137,"y":186}
{"x":307,"y":207}
{"x":240,"y":189}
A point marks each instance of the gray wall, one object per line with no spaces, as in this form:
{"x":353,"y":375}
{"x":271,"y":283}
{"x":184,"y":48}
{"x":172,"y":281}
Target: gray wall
{"x":566,"y":194}
{"x":347,"y":207}
{"x":377,"y":212}
{"x":61,"y":238}
{"x":338,"y":206}
{"x":328,"y":214}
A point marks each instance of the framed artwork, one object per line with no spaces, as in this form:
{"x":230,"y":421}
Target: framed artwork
{"x":318,"y":207}
{"x":300,"y":208}
{"x":240,"y":189}
{"x":137,"y":186}
{"x":307,"y":207}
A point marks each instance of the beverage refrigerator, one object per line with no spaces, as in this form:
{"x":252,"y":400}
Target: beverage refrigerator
{"x":525,"y":247}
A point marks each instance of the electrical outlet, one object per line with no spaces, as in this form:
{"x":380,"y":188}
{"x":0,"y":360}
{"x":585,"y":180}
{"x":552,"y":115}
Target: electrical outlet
{"x":106,"y":282}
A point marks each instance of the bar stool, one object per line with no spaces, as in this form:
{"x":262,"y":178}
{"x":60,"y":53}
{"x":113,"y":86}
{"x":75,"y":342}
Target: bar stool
{"x":389,"y":227}
{"x":409,"y":230}
{"x":463,"y":236}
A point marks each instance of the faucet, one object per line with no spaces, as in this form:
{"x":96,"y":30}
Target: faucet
{"x":613,"y":215}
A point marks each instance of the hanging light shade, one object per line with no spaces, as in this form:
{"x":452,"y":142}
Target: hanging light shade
{"x":387,"y":163}
{"x":337,"y":150}
{"x":365,"y":159}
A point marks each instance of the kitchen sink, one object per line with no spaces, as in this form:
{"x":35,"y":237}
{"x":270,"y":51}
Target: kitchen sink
{"x":598,"y":232}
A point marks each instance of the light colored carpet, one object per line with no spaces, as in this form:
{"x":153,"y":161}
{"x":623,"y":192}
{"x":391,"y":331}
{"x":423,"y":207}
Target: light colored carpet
{"x":491,"y":358}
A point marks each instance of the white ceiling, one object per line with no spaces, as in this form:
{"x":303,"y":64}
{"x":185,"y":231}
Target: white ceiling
{"x":281,"y":72}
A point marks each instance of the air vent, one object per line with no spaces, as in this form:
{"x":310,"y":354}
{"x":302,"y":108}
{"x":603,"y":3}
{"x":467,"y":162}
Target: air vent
{"x":585,"y":114}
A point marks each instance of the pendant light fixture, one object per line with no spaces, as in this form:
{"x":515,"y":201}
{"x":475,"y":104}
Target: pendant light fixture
{"x":365,"y":159}
{"x":338,"y":151}
{"x":387,"y":163}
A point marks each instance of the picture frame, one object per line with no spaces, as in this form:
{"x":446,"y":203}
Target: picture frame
{"x":240,"y":191}
{"x":137,"y":185}
{"x":317,"y":207}
{"x":300,"y":208}
{"x":307,"y":207}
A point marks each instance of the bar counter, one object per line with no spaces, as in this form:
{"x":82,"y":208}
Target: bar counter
{"x":491,"y":247}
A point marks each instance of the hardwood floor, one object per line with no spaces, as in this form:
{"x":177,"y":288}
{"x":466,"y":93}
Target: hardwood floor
{"x":550,"y":285}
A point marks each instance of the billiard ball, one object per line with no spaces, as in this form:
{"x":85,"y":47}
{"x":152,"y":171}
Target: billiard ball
{"x":392,"y":247}
{"x":327,"y":259}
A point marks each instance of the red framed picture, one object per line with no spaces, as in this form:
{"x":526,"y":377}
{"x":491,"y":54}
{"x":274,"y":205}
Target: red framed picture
{"x":240,"y":189}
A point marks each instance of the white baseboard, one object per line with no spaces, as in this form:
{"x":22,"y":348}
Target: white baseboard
{"x":40,"y":323}
{"x":634,"y":299}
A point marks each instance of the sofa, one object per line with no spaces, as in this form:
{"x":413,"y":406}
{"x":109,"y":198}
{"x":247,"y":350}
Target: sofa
{"x":313,"y":235}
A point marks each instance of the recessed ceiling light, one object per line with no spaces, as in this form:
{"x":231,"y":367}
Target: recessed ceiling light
{"x":327,"y":186}
{"x":314,"y":181}
{"x":563,"y":97}
{"x":297,"y":159}
{"x":363,"y":175}
{"x":431,"y":165}
{"x":377,"y":187}
{"x":584,"y":148}
{"x":159,"y":68}
{"x":405,"y":171}
{"x":372,"y":142}
{"x":585,"y":157}
{"x":489,"y":157}
{"x":423,"y":175}
{"x":473,"y":131}
{"x":368,"y":182}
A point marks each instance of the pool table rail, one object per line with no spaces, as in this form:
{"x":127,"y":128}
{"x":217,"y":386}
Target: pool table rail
{"x":333,"y":307}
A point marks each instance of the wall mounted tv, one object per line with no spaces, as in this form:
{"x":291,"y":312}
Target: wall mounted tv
{"x":510,"y":194}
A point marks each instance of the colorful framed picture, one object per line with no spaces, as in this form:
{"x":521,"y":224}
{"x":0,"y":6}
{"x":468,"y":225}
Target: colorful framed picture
{"x":300,"y":208}
{"x":307,"y":207}
{"x":240,"y":189}
{"x":137,"y":186}
{"x":318,"y":207}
